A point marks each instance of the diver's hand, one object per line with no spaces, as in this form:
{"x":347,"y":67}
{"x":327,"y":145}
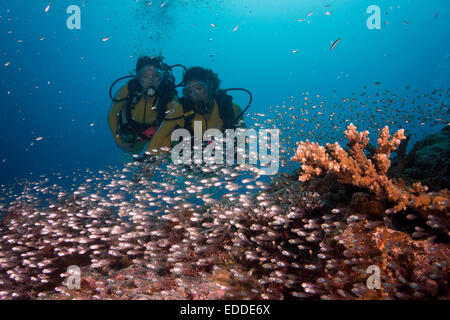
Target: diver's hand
{"x":138,"y":158}
{"x":127,"y":146}
{"x":147,"y":157}
{"x":149,"y":162}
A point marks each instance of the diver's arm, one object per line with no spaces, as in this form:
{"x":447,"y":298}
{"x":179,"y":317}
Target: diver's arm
{"x":237,"y":111}
{"x":162,"y":137}
{"x":113,"y":117}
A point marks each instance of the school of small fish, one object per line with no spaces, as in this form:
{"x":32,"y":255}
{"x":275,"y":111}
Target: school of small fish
{"x":252,"y":236}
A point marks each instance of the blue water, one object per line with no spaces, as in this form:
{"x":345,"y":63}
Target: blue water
{"x":54,"y":81}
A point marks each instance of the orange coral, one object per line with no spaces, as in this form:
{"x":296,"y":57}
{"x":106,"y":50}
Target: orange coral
{"x":355,"y":168}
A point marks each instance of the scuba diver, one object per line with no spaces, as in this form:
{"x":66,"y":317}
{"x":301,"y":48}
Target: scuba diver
{"x":140,"y":105}
{"x":202,"y":101}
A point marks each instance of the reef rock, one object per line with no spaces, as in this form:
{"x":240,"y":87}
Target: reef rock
{"x":428,"y":161}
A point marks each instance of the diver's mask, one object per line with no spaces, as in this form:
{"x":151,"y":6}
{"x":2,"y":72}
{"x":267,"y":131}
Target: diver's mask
{"x":198,"y":93}
{"x":150,"y":78}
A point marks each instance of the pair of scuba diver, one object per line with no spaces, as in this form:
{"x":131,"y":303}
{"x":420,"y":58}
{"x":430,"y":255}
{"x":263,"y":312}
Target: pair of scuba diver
{"x":147,"y":109}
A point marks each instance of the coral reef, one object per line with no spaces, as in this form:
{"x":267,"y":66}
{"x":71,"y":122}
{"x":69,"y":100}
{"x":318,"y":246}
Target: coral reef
{"x":354,"y":167}
{"x":428,"y":161}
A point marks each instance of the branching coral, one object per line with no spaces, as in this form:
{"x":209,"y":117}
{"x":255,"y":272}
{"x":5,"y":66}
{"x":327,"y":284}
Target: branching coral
{"x":355,"y":168}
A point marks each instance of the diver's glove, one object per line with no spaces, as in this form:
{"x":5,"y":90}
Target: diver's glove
{"x":147,"y":157}
{"x":138,"y":158}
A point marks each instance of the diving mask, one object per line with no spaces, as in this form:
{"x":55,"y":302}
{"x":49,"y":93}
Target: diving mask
{"x":150,"y":77}
{"x":196,"y":91}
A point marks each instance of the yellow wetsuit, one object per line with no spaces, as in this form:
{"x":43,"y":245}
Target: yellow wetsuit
{"x":143,"y":112}
{"x":162,"y":137}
